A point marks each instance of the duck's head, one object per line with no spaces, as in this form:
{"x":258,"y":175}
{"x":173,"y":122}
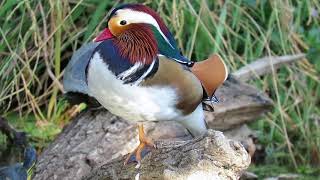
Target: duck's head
{"x":139,"y":33}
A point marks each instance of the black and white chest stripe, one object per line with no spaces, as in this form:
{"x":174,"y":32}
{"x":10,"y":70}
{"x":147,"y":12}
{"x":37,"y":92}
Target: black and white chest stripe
{"x":138,"y":72}
{"x":123,"y":69}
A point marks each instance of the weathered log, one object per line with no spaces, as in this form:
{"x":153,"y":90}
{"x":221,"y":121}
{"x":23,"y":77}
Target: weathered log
{"x":95,"y":138}
{"x":211,"y":156}
{"x":239,"y":103}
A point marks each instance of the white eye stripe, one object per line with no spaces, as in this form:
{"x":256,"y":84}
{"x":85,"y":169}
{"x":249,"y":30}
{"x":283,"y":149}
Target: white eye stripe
{"x":132,"y":16}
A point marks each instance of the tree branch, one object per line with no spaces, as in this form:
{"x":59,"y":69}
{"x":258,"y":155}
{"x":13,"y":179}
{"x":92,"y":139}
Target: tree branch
{"x":264,"y":66}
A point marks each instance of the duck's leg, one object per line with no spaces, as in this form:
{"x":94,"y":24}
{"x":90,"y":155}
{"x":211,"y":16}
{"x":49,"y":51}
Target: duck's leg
{"x":146,"y":144}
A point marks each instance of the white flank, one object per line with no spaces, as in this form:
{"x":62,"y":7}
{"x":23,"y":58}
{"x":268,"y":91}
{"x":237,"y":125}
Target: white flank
{"x":195,"y":121}
{"x":132,"y":16}
{"x":132,"y":102}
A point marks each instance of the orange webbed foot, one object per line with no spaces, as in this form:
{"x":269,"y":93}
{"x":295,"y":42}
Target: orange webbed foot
{"x":145,"y":146}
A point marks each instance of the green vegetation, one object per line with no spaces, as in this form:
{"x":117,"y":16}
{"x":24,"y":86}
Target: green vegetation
{"x":39,"y":37}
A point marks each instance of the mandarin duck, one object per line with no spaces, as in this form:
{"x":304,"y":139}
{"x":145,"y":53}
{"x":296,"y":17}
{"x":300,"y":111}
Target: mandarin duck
{"x":135,"y":70}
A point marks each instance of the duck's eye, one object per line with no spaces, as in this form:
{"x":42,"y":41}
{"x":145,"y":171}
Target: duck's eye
{"x":123,"y":22}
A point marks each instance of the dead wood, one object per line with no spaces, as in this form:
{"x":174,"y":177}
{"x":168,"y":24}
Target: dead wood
{"x":212,"y":156}
{"x":265,"y":65}
{"x":239,"y":103}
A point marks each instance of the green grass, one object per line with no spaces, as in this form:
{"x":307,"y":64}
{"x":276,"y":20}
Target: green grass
{"x":39,"y":134}
{"x":272,"y":170}
{"x":38,"y":38}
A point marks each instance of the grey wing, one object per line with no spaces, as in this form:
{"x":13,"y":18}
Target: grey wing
{"x":74,"y":78}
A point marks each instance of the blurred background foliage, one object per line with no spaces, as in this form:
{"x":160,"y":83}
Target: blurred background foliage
{"x":38,"y":37}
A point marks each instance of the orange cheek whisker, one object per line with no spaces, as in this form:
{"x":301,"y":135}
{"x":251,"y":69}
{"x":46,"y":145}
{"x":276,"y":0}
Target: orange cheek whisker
{"x":137,"y":44}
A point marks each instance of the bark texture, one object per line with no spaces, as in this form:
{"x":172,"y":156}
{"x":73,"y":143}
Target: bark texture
{"x":212,"y":156}
{"x":239,"y":103}
{"x":95,"y":138}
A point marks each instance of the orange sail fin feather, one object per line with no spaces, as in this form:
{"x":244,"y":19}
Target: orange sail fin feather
{"x":211,"y":72}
